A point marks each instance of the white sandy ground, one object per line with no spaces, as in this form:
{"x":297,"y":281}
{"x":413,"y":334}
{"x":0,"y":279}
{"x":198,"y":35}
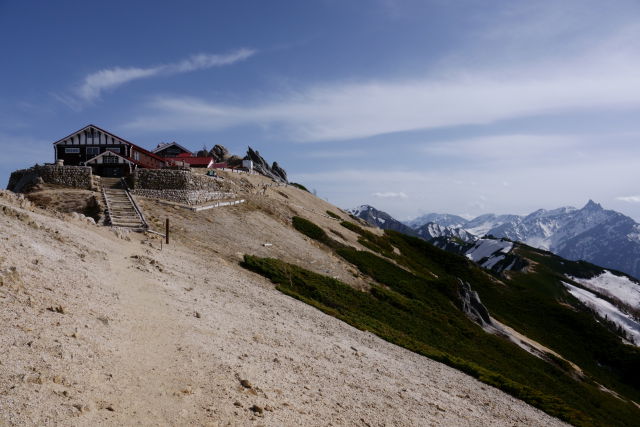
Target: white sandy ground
{"x":165,"y":337}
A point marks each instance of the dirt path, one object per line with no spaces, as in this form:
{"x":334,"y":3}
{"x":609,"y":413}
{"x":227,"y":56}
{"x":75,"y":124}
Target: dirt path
{"x":146,"y":347}
{"x":97,"y":330}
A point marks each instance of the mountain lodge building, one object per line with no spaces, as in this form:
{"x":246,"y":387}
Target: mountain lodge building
{"x":107,"y":154}
{"x":171,"y":149}
{"x":176,"y":155}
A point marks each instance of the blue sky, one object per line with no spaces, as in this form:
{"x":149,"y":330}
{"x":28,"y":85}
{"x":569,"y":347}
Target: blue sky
{"x":463,"y":107}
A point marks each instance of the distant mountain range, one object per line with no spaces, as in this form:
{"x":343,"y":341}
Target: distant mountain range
{"x":381,"y":219}
{"x":592,"y":233}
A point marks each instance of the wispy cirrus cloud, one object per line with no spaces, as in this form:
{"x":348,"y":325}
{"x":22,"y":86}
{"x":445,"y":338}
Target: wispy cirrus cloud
{"x":629,"y":199}
{"x":100,"y":81}
{"x":343,"y":111}
{"x":547,"y":58}
{"x":391,"y":195}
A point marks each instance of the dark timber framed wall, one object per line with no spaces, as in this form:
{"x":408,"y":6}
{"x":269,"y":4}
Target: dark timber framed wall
{"x":89,"y":142}
{"x":109,"y":164}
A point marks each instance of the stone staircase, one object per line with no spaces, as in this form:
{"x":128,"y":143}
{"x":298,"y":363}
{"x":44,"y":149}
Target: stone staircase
{"x":122,"y":211}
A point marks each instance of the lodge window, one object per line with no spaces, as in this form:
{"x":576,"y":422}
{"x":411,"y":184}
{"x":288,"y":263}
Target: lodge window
{"x":114,"y":149}
{"x":93,"y":150}
{"x":72,"y":150}
{"x":110,"y":159}
{"x":136,"y":155}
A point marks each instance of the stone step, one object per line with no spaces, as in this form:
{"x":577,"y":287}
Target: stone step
{"x":136,"y":226}
{"x":126,"y":221}
{"x":132,"y":215}
{"x":126,"y":218}
{"x":122,"y":212}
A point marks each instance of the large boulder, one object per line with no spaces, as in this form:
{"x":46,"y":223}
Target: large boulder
{"x":277,"y":170}
{"x":220,"y":153}
{"x":234,"y":161}
{"x":261,"y":166}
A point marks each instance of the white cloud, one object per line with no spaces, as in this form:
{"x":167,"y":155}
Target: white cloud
{"x":507,"y":147}
{"x":391,"y":195}
{"x":359,"y":110}
{"x":111,"y":78}
{"x":541,"y":58}
{"x":478,"y":190}
{"x":333,"y":154}
{"x":629,"y":199}
{"x":96,"y":83}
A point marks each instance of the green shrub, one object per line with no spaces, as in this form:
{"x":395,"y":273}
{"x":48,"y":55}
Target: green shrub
{"x":445,"y":335}
{"x":313,"y":231}
{"x":333,"y":215}
{"x":308,"y":228}
{"x":417,"y":307}
{"x":369,"y":240}
{"x":300,"y":186}
{"x":351,"y":226}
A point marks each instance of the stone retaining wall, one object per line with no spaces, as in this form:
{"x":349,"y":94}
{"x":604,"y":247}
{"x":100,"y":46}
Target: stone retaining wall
{"x":69,"y":176}
{"x":187,"y":197}
{"x":177,"y":185}
{"x":172,"y":179}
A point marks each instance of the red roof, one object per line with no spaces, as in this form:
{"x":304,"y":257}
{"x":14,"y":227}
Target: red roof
{"x":191,"y":160}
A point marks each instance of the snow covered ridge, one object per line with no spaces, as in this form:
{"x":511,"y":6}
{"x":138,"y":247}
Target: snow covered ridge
{"x":357,"y":211}
{"x":608,"y":311}
{"x":445,"y":220}
{"x":432,"y":230}
{"x":489,"y":252}
{"x":619,"y":287}
{"x":591,"y":233}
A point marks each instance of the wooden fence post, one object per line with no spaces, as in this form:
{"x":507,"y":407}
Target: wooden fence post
{"x":166,"y":231}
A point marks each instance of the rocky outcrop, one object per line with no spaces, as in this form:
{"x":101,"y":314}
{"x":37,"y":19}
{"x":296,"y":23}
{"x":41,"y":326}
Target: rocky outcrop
{"x":261,"y":166}
{"x":234,"y":161}
{"x":219,"y":153}
{"x":472,"y":307}
{"x":276,"y":169}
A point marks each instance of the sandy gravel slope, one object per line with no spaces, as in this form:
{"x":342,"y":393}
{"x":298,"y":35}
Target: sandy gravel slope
{"x":99,"y":330}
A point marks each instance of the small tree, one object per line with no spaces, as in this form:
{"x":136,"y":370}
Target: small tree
{"x":203,"y":153}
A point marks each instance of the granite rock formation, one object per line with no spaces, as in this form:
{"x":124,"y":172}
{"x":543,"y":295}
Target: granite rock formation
{"x":261,"y":166}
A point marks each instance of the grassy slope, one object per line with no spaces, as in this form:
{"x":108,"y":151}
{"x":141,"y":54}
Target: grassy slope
{"x":419,"y":311}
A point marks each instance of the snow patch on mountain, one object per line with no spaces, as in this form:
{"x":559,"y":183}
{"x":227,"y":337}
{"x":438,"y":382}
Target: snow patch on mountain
{"x":432,"y":230}
{"x":380,"y":219}
{"x":487,"y":247}
{"x":489,"y":252}
{"x":360,"y":209}
{"x":620,"y":287}
{"x":481,"y":225}
{"x":606,"y":310}
{"x":445,"y":220}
